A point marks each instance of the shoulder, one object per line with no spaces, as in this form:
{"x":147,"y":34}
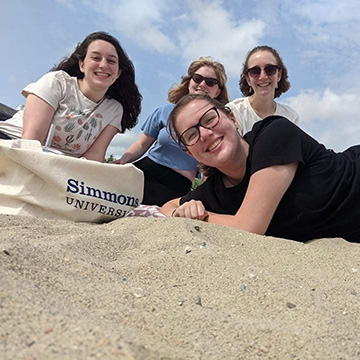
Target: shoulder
{"x":53,"y":80}
{"x":287,"y":111}
{"x":52,"y":87}
{"x":160,"y":115}
{"x":276,"y":127}
{"x":58,"y":75}
{"x":113,"y":104}
{"x":164,"y":110}
{"x":238,"y":103}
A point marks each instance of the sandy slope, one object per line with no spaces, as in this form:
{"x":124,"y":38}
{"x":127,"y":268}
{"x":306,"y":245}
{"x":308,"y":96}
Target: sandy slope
{"x":144,"y":288}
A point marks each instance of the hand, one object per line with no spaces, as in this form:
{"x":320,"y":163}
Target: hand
{"x":118,"y":161}
{"x":193,"y":209}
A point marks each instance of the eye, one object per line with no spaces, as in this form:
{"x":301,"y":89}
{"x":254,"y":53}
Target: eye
{"x":209,"y":119}
{"x":190,"y":135}
{"x":112,"y":61}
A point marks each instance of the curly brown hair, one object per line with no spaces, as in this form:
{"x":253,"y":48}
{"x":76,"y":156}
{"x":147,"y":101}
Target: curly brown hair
{"x":124,"y":89}
{"x":283,"y":85}
{"x":179,"y":91}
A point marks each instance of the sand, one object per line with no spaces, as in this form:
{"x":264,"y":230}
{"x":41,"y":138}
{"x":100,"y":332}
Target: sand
{"x":155,"y":288}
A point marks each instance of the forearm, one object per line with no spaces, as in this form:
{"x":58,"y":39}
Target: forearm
{"x":97,"y":150}
{"x":136,"y":150}
{"x":132,"y":153}
{"x":233,"y":221}
{"x":170,"y":207}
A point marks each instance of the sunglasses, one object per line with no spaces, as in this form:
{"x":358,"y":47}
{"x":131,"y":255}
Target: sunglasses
{"x":208,"y":80}
{"x":270,"y":70}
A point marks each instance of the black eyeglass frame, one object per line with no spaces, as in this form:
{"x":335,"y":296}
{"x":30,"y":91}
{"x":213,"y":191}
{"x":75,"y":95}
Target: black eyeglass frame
{"x":183,"y":145}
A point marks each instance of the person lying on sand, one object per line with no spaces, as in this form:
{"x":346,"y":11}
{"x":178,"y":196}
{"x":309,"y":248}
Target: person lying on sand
{"x":276,"y":180}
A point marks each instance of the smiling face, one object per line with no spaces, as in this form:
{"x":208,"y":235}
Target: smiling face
{"x":202,"y":88}
{"x":100,"y":67}
{"x":217,"y":147}
{"x":263,"y":85}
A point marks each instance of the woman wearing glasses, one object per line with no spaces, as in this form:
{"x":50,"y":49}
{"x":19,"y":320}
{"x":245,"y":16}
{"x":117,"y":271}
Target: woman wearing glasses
{"x":264,"y":77}
{"x":168,"y":170}
{"x":292,"y":188}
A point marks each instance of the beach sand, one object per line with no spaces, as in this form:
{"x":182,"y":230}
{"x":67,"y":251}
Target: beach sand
{"x":156,"y":288}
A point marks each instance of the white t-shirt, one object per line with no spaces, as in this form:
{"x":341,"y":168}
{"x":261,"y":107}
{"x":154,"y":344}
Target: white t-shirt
{"x":247,"y":117}
{"x":77,"y":121}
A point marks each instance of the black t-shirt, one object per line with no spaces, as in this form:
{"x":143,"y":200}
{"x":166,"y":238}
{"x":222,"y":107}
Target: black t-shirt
{"x":323,"y":200}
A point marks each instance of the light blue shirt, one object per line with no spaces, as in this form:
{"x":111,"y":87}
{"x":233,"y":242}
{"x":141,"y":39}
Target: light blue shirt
{"x":165,"y":150}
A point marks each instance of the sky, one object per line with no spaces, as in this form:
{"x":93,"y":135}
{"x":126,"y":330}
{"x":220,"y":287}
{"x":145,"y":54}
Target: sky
{"x":318,"y":41}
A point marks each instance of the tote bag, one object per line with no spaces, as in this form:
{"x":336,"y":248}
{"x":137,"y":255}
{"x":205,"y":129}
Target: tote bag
{"x":43,"y":184}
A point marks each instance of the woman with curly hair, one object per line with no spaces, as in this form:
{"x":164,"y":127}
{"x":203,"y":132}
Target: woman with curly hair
{"x":79,"y":106}
{"x":264,"y":78}
{"x":168,"y":170}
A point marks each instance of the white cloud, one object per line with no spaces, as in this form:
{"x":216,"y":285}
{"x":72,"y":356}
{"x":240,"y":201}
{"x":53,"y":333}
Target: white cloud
{"x":141,"y":21}
{"x":331,"y":118}
{"x":121,"y":142}
{"x":189,"y":29}
{"x":226,"y":39}
{"x":325,"y":27}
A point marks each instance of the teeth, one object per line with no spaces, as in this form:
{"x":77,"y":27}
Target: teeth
{"x":214,"y":145}
{"x":101,"y":74}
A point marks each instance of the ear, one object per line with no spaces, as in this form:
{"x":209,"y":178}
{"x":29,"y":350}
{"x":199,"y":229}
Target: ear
{"x":233,"y":119}
{"x":81,"y":66}
{"x":279,"y":75}
{"x":119,"y":73}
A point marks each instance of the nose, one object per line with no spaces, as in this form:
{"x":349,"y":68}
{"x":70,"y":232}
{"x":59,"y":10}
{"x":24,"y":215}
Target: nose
{"x":202,"y":84}
{"x":205,"y":133}
{"x":103,"y":63}
{"x":262,"y":74}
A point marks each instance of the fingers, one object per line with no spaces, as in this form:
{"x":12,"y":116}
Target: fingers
{"x":192,"y":209}
{"x":118,"y":161}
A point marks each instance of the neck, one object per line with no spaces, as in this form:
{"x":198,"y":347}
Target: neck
{"x":263,"y":107}
{"x":235,"y":171}
{"x":95,"y":96}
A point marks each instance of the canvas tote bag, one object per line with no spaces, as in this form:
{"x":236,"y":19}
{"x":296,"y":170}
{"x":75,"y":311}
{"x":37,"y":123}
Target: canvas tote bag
{"x":43,"y":184}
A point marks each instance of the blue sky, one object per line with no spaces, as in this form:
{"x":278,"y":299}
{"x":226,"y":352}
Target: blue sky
{"x":318,"y":40}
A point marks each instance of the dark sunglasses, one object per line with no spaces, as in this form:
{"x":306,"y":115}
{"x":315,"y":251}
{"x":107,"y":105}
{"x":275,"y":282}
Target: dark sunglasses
{"x":270,"y":70}
{"x":208,"y":80}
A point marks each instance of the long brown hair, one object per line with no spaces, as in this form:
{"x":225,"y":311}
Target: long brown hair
{"x":124,"y":89}
{"x":179,"y":91}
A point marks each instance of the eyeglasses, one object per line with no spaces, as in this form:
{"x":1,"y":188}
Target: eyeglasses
{"x":208,"y":80}
{"x":270,"y":70}
{"x":192,"y":135}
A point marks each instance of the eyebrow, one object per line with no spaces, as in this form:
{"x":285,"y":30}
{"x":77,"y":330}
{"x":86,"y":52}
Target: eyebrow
{"x":97,"y":53}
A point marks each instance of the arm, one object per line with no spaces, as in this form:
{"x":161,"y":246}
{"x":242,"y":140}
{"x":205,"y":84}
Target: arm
{"x":136,"y":150}
{"x":98,"y":148}
{"x":38,"y":115}
{"x":265,"y":191}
